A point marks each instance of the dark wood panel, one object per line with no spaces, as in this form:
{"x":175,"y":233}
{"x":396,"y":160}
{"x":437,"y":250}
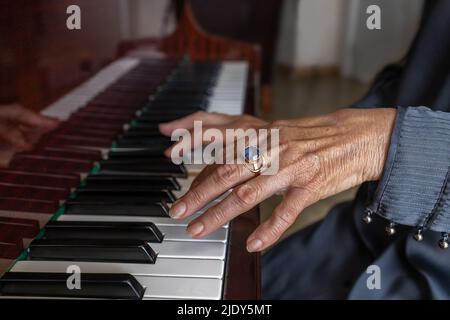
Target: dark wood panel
{"x":253,"y":21}
{"x":40,"y":59}
{"x":243,"y":268}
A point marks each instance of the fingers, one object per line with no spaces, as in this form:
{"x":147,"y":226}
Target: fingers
{"x":22,"y":116}
{"x":219,"y":181}
{"x":281,"y":219}
{"x":240,"y":200}
{"x":188,"y":121}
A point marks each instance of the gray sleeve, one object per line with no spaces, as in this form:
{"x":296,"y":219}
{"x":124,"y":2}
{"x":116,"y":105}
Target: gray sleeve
{"x":414,"y":189}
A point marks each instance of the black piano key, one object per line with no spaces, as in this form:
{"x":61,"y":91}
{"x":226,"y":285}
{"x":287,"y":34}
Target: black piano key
{"x":142,"y":231}
{"x":145,"y":129}
{"x":136,"y":157}
{"x":164,"y":105}
{"x":133,"y":141}
{"x":157,"y":146}
{"x":140,"y":135}
{"x":172,"y":108}
{"x":139,"y":143}
{"x":117,"y":209}
{"x":143,"y":167}
{"x":189,"y":80}
{"x":121,"y":154}
{"x":185,"y":97}
{"x":191,"y":89}
{"x":155,"y":119}
{"x":105,"y":194}
{"x":93,"y":250}
{"x":136,"y":182}
{"x":157,"y":114}
{"x":93,"y":285}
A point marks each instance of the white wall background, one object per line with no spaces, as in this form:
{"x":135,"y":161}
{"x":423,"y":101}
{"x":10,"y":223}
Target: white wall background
{"x":324,"y":33}
{"x":145,"y":18}
{"x":367,"y":51}
{"x":311,"y":32}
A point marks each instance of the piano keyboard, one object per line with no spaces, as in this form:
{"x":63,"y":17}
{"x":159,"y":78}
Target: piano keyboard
{"x":101,"y":188}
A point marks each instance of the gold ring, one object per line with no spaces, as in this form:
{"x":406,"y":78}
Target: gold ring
{"x":253,"y":159}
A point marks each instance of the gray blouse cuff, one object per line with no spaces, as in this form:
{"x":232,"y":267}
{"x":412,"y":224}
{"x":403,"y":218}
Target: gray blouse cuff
{"x":414,"y":189}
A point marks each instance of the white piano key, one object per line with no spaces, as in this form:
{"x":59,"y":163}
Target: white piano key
{"x":82,"y":94}
{"x":231,"y":82}
{"x":185,"y":183}
{"x":179,"y":233}
{"x":188,"y":268}
{"x":181,"y":288}
{"x":190,"y":250}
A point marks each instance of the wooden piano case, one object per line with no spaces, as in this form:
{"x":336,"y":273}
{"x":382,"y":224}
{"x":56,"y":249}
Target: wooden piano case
{"x":27,"y":69}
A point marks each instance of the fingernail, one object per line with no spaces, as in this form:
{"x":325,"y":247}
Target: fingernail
{"x":195,"y":229}
{"x":177,"y":210}
{"x":254,"y":245}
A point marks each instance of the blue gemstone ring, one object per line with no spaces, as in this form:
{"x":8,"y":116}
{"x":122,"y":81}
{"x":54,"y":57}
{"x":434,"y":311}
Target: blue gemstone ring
{"x":253,"y":159}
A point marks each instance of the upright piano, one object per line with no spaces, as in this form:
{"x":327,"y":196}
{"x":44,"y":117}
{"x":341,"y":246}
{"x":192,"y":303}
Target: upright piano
{"x":93,"y":195}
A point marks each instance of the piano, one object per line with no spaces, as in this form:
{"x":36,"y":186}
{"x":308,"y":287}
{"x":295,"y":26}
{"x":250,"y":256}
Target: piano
{"x":95,"y":192}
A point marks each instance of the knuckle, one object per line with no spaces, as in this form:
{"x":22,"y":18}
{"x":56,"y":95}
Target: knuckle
{"x":274,"y":232}
{"x":247,"y":194}
{"x":196,"y":197}
{"x":226,"y":173}
{"x":281,"y":223}
{"x":286,"y":217}
{"x":313,"y":162}
{"x":217,"y":216}
{"x":195,"y":182}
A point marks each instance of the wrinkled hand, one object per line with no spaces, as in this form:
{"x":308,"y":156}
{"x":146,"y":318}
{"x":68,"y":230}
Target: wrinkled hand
{"x":218,"y":121}
{"x":318,"y":157}
{"x":21,"y":128}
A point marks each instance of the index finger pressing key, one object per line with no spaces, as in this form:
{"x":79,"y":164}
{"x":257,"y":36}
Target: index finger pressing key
{"x":223,"y":178}
{"x":239,"y":201}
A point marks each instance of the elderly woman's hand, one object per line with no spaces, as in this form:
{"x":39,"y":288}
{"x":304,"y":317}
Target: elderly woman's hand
{"x":318,"y":157}
{"x":20,"y":128}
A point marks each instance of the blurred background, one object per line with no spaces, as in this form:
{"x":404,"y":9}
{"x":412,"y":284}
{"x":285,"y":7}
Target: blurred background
{"x":317,"y":55}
